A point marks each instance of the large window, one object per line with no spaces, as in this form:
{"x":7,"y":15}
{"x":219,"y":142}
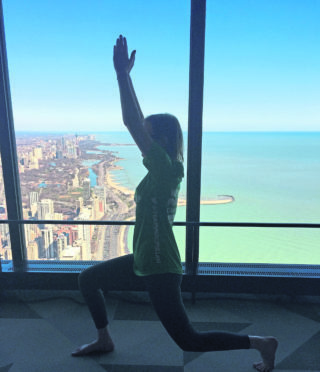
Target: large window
{"x":261,"y":135}
{"x":76,"y":160}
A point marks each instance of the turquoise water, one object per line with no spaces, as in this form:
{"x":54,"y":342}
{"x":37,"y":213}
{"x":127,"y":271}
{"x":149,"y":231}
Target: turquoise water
{"x":273,"y":177}
{"x":42,"y":185}
{"x":92,"y":175}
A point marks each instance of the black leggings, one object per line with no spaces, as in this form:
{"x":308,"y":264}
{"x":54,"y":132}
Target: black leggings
{"x":165,"y":295}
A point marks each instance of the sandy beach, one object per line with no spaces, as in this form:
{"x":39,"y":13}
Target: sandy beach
{"x":111,"y":183}
{"x":220,"y":199}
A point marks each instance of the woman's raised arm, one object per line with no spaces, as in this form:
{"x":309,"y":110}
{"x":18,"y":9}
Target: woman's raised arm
{"x":131,"y":112}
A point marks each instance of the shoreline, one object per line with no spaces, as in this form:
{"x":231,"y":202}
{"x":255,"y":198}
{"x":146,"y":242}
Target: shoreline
{"x":123,"y":196}
{"x":109,"y":180}
{"x":221,"y":199}
{"x":117,"y":188}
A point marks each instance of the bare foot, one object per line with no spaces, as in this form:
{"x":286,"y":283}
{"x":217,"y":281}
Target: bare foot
{"x":267,"y":347}
{"x":97,"y":346}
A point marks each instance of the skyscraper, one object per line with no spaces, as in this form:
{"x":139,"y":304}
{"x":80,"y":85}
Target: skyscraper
{"x":45,"y":209}
{"x":46,"y":245}
{"x":86,"y":189}
{"x":33,"y":197}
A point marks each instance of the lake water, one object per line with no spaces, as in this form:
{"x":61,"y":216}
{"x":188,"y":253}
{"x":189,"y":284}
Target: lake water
{"x":273,"y":177}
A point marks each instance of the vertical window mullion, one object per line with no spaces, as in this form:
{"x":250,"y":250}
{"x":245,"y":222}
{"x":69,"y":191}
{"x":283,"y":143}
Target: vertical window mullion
{"x":196,"y":80}
{"x":9,"y":158}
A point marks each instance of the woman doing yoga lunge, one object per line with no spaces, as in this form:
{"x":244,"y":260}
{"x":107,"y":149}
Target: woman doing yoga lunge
{"x":155,"y":261}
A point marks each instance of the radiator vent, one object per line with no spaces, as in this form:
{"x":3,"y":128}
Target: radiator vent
{"x":204,"y":268}
{"x":277,"y":270}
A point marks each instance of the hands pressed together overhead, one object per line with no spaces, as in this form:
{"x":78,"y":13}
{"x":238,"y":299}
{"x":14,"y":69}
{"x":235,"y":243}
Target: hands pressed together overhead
{"x":122,"y":62}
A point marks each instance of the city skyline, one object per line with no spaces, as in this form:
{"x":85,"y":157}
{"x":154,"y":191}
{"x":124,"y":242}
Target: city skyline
{"x":261,"y":63}
{"x":56,"y":185}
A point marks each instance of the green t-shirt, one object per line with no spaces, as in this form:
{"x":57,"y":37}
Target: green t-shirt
{"x":154,"y":246}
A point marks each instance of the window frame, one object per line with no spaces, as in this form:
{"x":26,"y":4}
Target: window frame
{"x":9,"y":159}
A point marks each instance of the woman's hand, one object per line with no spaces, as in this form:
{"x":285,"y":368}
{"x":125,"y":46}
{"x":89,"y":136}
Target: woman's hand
{"x":122,"y":63}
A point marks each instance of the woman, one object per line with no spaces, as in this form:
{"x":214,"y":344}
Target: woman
{"x":155,"y":259}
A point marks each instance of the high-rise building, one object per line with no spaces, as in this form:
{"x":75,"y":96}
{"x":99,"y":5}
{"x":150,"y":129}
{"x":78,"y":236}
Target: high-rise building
{"x":4,"y":230}
{"x":74,"y":234}
{"x":79,"y":205}
{"x":32,"y":251}
{"x":33,"y":202}
{"x":75,"y":180}
{"x":86,"y":189}
{"x":63,"y":143}
{"x":45,"y":209}
{"x":71,"y":150}
{"x":46,"y":246}
{"x":37,"y":152}
{"x":84,"y":234}
{"x":31,"y":232}
{"x":59,"y":154}
{"x":33,"y":197}
{"x":62,"y":244}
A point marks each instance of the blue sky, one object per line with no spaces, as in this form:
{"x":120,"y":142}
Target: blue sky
{"x":261,"y":67}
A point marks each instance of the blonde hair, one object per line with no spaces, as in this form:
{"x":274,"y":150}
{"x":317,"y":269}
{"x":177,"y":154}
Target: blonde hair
{"x":167,"y":127}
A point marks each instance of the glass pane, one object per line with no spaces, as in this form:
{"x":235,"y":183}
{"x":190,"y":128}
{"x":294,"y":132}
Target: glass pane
{"x":76,"y":158}
{"x":67,"y":107}
{"x":82,"y":242}
{"x":260,"y":245}
{"x":76,"y":242}
{"x":260,"y":145}
{"x":261,"y":130}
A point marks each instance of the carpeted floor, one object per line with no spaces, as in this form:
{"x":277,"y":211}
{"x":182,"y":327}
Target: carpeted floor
{"x":39,"y":329}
